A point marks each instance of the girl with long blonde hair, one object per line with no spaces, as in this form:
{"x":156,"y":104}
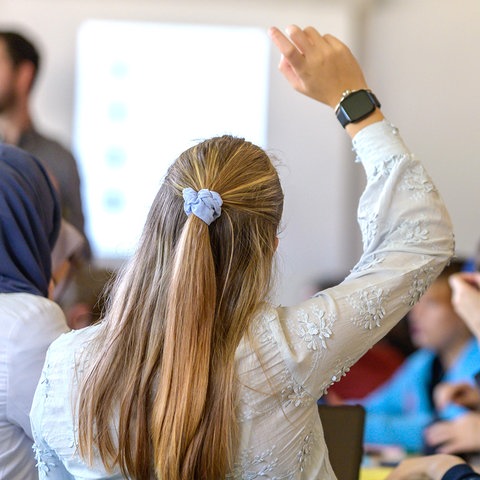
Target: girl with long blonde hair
{"x":193,"y":374}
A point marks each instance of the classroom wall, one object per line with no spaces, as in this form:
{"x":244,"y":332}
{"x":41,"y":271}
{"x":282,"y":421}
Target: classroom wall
{"x":418,"y":54}
{"x":423,"y":55}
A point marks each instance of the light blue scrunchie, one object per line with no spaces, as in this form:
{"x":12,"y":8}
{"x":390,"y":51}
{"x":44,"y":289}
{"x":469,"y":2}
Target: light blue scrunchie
{"x":205,"y":204}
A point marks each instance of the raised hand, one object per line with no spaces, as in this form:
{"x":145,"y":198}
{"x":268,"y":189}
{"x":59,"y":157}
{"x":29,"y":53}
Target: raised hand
{"x":321,"y":67}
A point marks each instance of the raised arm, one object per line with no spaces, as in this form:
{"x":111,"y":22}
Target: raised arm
{"x":406,"y":230}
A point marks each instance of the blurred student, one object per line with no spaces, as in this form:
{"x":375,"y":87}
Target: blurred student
{"x":29,"y":321}
{"x":86,"y":295}
{"x":19,"y":66}
{"x":403,"y":407}
{"x":461,"y":435}
{"x":193,"y":373}
{"x":67,"y":259}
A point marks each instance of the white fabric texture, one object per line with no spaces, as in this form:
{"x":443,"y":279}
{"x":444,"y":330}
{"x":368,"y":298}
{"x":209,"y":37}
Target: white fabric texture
{"x":297,"y":351}
{"x":28,"y":324}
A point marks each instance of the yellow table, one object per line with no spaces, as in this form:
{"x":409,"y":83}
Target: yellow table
{"x":374,"y":473}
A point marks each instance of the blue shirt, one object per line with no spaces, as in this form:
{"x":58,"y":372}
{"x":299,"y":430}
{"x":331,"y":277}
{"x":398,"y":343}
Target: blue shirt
{"x":398,"y":411}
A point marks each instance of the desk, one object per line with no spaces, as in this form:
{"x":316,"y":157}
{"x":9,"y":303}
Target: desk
{"x":374,"y":473}
{"x":378,"y":461}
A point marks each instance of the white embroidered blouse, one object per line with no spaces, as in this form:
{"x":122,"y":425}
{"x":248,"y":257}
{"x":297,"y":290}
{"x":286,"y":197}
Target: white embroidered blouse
{"x":299,"y":351}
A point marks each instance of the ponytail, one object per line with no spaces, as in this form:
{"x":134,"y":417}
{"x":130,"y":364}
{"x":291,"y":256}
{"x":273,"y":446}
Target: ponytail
{"x":183,"y":388}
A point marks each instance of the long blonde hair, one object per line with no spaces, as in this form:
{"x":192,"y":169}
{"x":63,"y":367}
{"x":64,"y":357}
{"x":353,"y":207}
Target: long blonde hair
{"x":162,"y":369}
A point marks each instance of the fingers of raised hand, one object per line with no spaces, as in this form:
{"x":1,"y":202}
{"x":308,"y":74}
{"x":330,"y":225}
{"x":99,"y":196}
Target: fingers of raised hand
{"x":299,"y":45}
{"x":290,"y":74}
{"x":288,"y":49}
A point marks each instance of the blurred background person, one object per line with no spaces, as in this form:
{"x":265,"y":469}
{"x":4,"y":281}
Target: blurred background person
{"x":85,"y":298}
{"x":19,"y":67}
{"x":460,"y":435}
{"x":29,"y":321}
{"x":67,"y":259}
{"x":400,"y":410}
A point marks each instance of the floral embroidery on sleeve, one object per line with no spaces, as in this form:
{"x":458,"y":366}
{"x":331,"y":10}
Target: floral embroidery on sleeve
{"x":314,"y":331}
{"x":336,"y":377}
{"x":293,"y":393}
{"x":260,"y":328}
{"x":416,"y":181}
{"x":369,"y":228}
{"x":252,"y":466}
{"x":44,"y":381}
{"x":369,"y":304}
{"x":413,"y":232}
{"x":341,"y":368}
{"x":422,"y":279}
{"x":45,"y":459}
{"x":306,"y":449}
{"x":368,"y":263}
{"x":385,"y":167}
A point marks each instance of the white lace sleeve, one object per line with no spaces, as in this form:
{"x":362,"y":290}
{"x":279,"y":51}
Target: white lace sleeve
{"x":407,"y":240}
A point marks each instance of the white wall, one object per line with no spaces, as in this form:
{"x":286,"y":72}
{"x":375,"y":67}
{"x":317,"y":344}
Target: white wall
{"x":423,"y":55}
{"x":420,"y":57}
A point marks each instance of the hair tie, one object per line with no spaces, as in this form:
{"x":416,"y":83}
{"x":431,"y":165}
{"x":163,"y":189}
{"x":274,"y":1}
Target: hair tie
{"x":204,"y":204}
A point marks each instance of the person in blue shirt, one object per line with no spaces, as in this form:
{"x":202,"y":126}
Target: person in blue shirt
{"x":400,"y":410}
{"x":460,"y":435}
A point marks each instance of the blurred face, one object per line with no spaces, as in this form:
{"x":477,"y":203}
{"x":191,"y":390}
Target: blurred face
{"x":7,"y":79}
{"x":433,"y":322}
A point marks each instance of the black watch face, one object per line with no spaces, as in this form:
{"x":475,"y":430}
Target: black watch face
{"x":357,"y":105}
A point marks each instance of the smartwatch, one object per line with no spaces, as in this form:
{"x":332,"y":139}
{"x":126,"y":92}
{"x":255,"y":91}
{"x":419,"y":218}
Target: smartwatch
{"x":355,"y":106}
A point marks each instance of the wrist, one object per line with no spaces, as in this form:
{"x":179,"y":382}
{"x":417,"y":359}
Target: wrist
{"x":356,"y":106}
{"x":353,"y":128}
{"x":441,"y":464}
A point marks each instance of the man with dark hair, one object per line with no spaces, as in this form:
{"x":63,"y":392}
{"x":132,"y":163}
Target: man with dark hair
{"x":19,"y":65}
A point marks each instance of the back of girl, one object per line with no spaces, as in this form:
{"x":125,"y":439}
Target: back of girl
{"x":193,"y":374}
